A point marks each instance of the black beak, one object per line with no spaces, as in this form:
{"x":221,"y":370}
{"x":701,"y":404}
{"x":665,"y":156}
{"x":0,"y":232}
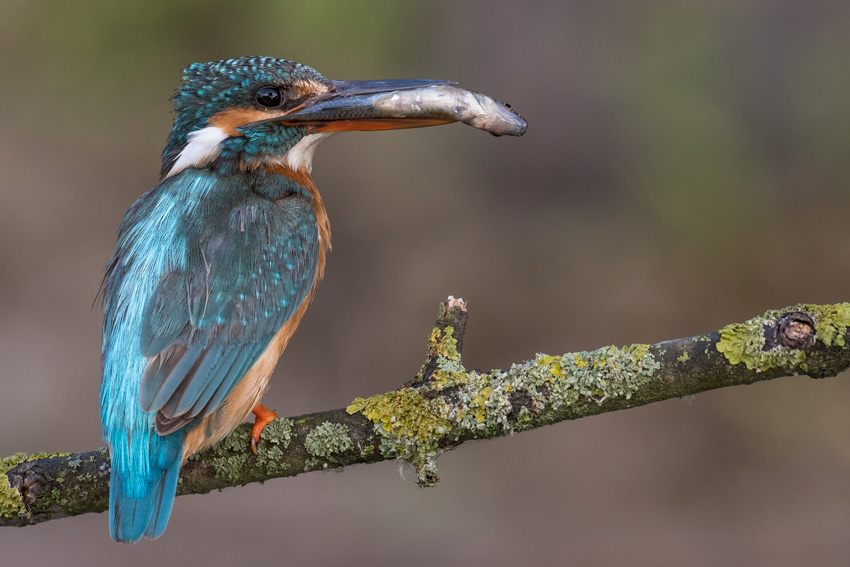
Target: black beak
{"x":406,"y":103}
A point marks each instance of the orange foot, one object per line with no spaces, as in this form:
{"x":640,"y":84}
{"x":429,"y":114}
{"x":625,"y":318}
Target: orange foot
{"x":264,"y":416}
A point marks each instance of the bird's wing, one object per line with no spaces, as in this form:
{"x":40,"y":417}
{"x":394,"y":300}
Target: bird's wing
{"x":247,"y":271}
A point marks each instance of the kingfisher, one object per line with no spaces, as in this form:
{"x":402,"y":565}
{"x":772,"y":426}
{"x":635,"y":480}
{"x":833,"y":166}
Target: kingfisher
{"x":215,"y":266}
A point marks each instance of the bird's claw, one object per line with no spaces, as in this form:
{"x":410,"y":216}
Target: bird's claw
{"x":263,"y":416}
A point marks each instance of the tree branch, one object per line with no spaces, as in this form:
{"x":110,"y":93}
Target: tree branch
{"x":446,"y":405}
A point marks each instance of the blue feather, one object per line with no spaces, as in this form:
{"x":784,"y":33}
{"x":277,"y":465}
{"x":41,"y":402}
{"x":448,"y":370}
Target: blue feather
{"x":131,"y":517}
{"x":207,"y":269}
{"x":201,"y":398}
{"x":163,"y":501}
{"x":161,"y":381}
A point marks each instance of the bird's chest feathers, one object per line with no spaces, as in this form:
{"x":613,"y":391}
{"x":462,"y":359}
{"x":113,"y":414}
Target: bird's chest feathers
{"x":206,"y":203}
{"x":178,"y":224}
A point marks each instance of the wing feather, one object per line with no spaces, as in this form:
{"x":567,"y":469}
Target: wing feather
{"x":246,"y":273}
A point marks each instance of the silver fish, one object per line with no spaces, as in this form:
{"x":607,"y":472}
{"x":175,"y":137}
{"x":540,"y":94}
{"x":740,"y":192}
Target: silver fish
{"x":421,"y":102}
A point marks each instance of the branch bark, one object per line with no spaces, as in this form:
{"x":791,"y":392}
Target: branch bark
{"x":446,"y":405}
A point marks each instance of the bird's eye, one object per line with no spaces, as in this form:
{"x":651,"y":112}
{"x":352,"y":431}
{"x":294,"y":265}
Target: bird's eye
{"x":268,"y":97}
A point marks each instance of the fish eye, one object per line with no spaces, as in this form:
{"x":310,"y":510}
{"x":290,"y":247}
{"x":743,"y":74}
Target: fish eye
{"x":268,"y":97}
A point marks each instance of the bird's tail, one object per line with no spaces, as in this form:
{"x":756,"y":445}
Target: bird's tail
{"x":136,"y":511}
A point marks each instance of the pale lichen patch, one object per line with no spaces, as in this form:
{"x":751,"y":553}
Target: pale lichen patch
{"x":605,"y":373}
{"x":228,"y":456}
{"x":327,"y":439}
{"x":278,"y":432}
{"x":278,"y":435}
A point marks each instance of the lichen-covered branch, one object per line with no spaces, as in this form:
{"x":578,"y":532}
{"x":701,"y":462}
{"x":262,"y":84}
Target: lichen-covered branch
{"x":446,"y":404}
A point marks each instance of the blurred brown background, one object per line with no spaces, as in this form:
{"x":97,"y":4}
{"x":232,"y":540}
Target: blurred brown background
{"x":686,"y":166}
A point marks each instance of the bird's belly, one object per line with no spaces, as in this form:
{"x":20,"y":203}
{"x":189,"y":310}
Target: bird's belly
{"x":245,"y":396}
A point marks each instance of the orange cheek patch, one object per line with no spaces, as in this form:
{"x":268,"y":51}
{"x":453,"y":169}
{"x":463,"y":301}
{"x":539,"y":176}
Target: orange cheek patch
{"x":232,"y":118}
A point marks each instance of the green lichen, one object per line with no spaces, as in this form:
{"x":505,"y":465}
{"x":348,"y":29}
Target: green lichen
{"x":447,"y":403}
{"x":479,"y":403}
{"x":443,"y":343}
{"x":356,"y":406}
{"x":607,"y":372}
{"x":409,"y":421}
{"x":831,"y":322}
{"x":57,"y":499}
{"x":11,"y":503}
{"x":442,"y":347}
{"x":406,"y":415}
{"x":744,"y":342}
{"x":427,"y":473}
{"x":327,"y":439}
{"x":272,"y":459}
{"x":410,"y":425}
{"x":278,"y":435}
{"x":482,"y":405}
{"x":228,"y":456}
{"x":413,"y":422}
{"x":278,"y":432}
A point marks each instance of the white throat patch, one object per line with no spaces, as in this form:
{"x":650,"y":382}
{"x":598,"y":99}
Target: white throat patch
{"x":203,"y":147}
{"x":300,"y":156}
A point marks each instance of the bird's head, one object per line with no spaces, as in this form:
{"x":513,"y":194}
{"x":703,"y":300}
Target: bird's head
{"x":253,"y":112}
{"x":223,"y":111}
